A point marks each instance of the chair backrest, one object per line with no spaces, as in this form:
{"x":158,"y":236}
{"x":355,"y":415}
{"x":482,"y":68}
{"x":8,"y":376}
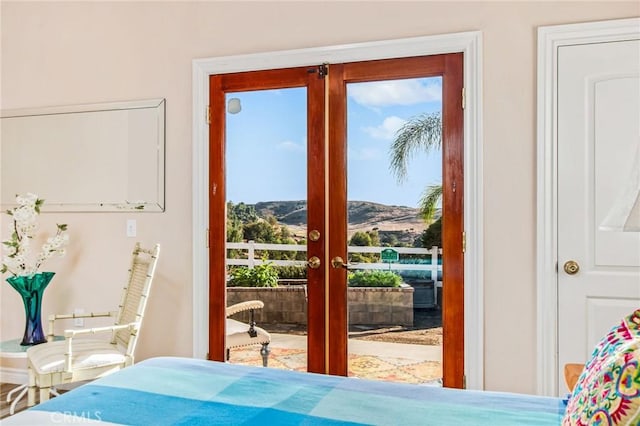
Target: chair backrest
{"x":135,"y":295}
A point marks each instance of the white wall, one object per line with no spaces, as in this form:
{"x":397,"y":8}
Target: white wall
{"x":56,"y":53}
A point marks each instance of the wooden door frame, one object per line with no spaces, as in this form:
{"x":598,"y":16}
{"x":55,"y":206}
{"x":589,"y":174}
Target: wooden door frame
{"x":550,"y":39}
{"x":469,"y":44}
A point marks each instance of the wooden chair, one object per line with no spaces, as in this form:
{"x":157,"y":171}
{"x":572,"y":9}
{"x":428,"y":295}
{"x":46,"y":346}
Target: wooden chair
{"x":572,"y":374}
{"x":239,"y":334}
{"x":79,"y":359}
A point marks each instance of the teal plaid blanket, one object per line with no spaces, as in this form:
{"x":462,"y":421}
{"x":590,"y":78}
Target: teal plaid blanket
{"x":184,"y":391}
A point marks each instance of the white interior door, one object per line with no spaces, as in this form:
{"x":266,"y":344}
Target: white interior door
{"x":598,"y":139}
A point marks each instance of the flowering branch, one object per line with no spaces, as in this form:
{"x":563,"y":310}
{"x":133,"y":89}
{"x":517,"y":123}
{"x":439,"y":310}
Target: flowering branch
{"x":16,"y":259}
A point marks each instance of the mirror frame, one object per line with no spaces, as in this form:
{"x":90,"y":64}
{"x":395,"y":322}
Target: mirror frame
{"x":157,"y":205}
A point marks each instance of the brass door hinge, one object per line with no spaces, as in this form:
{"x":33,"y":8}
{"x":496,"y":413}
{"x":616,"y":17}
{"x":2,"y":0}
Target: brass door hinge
{"x":464,"y":241}
{"x":208,"y":114}
{"x":464,"y":98}
{"x":464,"y":381}
{"x":208,"y":236}
{"x":322,"y":70}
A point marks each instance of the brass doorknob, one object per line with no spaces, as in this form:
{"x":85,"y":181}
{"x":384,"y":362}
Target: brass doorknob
{"x":571,"y":267}
{"x":314,"y":262}
{"x":338,"y":262}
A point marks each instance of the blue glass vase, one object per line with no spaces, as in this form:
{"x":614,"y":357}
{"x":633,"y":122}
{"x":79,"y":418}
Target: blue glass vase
{"x":31,"y":288}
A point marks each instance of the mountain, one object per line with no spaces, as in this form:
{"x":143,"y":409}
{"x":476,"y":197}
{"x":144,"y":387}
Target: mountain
{"x":404,"y":223}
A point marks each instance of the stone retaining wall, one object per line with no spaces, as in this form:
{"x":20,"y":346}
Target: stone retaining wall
{"x":367,"y":305}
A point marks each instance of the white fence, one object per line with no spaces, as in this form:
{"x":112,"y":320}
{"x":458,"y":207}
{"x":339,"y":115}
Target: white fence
{"x":431,"y":254}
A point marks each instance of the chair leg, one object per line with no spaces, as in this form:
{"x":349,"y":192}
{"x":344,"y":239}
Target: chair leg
{"x":31,"y":393}
{"x":264,"y":351}
{"x":44,"y":394}
{"x":12,"y":407}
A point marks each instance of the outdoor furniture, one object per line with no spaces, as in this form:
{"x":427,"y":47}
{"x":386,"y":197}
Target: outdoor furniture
{"x":239,"y":334}
{"x":78,"y":359}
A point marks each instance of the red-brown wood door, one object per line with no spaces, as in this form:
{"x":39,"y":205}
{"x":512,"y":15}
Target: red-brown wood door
{"x":220,"y":86}
{"x":327,"y":200}
{"x":450,"y":68}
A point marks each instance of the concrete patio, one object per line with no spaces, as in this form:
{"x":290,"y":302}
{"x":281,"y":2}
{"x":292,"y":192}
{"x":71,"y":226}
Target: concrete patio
{"x":401,"y":362}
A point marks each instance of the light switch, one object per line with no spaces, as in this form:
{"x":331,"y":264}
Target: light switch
{"x":131,"y":228}
{"x":78,"y":322}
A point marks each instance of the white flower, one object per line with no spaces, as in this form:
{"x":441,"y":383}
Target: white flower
{"x":17,"y":259}
{"x":27,"y":200}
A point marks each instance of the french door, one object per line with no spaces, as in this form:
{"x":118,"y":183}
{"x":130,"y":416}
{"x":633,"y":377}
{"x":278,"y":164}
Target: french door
{"x":325,"y":92}
{"x":314,"y":92}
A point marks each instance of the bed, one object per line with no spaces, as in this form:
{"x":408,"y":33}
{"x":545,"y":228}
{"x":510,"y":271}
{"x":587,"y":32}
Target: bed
{"x":186,"y":391}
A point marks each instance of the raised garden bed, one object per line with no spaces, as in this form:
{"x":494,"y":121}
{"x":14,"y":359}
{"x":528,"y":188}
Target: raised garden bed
{"x":286,"y":304}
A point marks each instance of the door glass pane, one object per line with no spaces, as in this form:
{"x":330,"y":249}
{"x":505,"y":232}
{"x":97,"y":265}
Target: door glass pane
{"x":394,"y":161}
{"x":266,"y":158}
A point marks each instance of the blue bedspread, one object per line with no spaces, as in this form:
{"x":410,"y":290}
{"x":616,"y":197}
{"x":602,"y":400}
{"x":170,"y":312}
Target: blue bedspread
{"x":183,"y":391}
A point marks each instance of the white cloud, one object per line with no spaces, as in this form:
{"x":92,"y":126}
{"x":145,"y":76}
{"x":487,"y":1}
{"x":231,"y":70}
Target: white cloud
{"x":291,"y":146}
{"x":387,"y":130}
{"x":395,"y":92}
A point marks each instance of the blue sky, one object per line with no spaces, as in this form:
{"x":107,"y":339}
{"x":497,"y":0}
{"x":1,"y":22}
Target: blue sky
{"x":266,"y":143}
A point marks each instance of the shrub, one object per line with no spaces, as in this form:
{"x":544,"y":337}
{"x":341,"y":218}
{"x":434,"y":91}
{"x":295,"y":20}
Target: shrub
{"x":432,"y":236}
{"x":364,"y":239}
{"x":374,"y":279}
{"x":291,"y":272}
{"x":360,"y":238}
{"x":263,"y":275}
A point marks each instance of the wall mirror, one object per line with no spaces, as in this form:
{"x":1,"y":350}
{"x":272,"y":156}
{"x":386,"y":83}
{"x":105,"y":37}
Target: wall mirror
{"x":99,"y":157}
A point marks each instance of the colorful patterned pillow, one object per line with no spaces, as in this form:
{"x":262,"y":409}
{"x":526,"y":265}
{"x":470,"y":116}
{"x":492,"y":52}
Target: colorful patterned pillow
{"x":608,"y":390}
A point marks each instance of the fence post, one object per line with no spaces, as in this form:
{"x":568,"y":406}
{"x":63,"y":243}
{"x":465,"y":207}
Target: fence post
{"x":434,"y":272}
{"x":434,"y":264}
{"x":251,"y":254}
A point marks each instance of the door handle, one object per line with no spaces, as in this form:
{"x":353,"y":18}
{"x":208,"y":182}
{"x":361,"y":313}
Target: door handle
{"x":313,"y":262}
{"x":571,"y":267}
{"x":338,"y":262}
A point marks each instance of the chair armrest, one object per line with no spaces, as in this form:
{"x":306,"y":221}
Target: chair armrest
{"x":70,"y":334}
{"x":244,"y":306}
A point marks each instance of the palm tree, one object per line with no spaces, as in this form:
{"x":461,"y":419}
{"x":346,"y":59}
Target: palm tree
{"x":423,"y":132}
{"x":428,"y":201}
